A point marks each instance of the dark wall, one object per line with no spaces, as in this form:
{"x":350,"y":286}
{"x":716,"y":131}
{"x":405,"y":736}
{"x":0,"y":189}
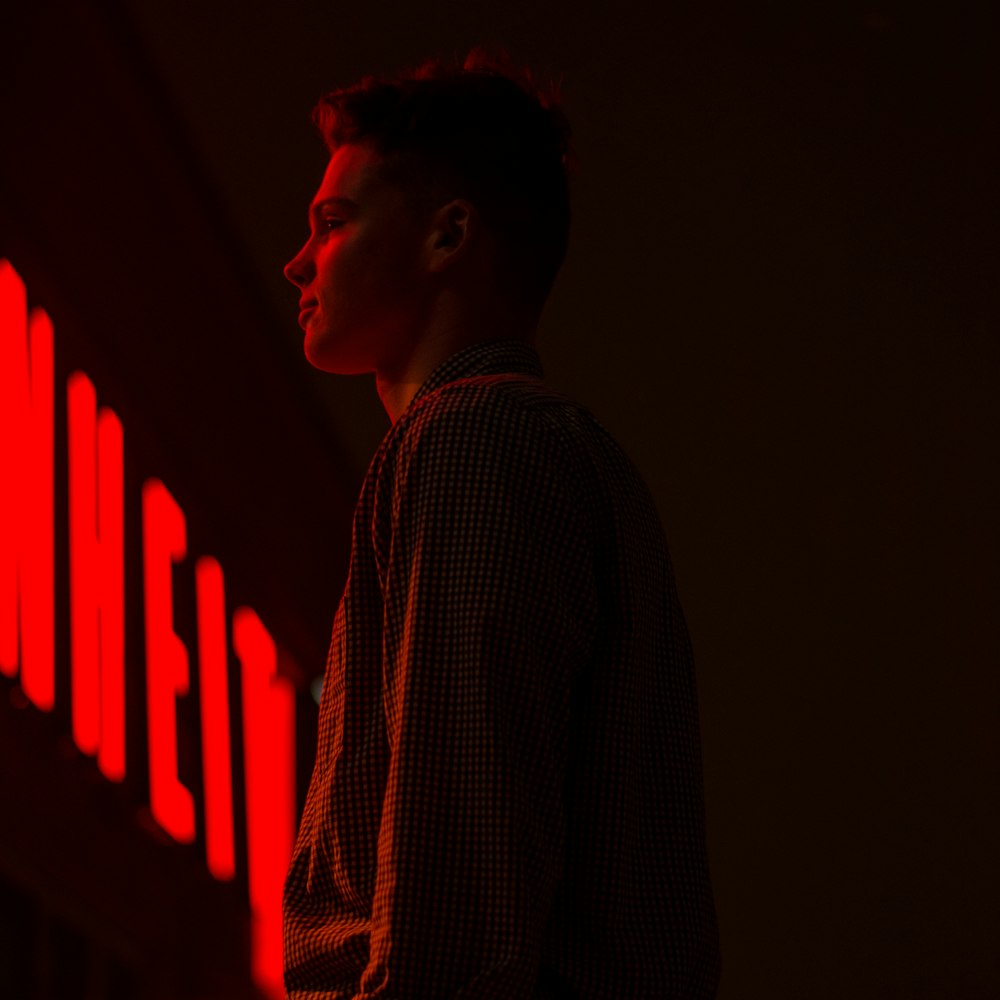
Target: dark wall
{"x":779,"y":297}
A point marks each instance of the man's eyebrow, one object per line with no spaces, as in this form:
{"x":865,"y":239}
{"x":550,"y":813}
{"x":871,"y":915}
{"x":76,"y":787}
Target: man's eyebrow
{"x":345,"y":203}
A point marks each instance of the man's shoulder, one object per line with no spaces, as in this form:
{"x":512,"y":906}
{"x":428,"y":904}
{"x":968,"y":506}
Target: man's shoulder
{"x":479,"y":393}
{"x":511,"y":433}
{"x":510,"y":417}
{"x":468,"y":402}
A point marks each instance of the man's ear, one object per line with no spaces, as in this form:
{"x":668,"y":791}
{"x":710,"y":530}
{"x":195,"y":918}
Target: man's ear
{"x":452,"y":229}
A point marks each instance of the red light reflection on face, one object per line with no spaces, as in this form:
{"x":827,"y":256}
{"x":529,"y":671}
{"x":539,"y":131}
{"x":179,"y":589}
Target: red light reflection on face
{"x":27,"y":606}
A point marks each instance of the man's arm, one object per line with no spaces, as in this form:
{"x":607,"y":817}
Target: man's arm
{"x":490,"y":609}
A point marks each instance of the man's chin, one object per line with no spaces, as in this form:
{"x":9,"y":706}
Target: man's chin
{"x":321,"y":354}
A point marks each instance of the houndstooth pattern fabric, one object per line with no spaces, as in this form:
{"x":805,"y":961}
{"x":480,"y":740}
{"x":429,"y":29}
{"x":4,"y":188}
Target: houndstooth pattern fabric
{"x":507,"y":795}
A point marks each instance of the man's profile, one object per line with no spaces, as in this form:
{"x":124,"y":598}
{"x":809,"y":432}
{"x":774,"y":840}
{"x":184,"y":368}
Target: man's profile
{"x":507,"y":795}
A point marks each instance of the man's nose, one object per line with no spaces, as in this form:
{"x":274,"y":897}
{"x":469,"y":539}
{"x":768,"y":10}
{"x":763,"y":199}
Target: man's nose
{"x":297,"y":270}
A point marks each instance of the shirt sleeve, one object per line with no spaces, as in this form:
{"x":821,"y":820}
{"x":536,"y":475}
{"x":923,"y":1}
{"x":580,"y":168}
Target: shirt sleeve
{"x":489,"y":610}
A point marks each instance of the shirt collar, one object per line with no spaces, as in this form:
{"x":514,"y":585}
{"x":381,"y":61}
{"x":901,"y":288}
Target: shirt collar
{"x":491,"y":357}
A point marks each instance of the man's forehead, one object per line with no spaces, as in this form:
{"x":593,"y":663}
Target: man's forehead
{"x":350,"y":170}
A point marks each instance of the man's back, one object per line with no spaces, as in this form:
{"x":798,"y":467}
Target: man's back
{"x":507,"y":797}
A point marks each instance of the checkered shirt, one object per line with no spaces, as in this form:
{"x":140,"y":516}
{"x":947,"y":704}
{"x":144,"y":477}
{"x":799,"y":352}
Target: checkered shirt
{"x":507,"y":796}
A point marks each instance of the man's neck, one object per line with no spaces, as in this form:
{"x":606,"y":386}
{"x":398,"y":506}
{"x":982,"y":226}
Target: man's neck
{"x":396,"y":388}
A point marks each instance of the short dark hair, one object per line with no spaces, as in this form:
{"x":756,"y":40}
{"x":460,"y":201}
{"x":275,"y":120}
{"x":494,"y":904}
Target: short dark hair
{"x":484,"y":131}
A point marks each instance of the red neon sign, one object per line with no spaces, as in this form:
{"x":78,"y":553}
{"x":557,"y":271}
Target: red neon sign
{"x":97,"y":625}
{"x":210,"y":595}
{"x":97,"y":577}
{"x":27,"y":584}
{"x":268,"y":733}
{"x":164,"y":538}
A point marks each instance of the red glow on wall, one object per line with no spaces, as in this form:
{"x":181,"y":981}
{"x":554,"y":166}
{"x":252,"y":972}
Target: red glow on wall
{"x":96,"y":577}
{"x":269,"y":755}
{"x":27,"y":589}
{"x":164,"y":542}
{"x":214,"y":684}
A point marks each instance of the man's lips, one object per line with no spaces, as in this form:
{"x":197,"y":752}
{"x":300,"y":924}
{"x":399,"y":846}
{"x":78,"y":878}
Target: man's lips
{"x":305,"y":308}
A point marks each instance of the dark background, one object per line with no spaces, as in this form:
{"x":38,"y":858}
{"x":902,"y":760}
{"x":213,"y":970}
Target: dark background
{"x":779,"y":298}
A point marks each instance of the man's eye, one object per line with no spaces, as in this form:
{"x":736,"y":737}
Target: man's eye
{"x":331,"y":223}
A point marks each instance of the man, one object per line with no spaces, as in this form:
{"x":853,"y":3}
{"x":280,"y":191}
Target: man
{"x":507,"y":794}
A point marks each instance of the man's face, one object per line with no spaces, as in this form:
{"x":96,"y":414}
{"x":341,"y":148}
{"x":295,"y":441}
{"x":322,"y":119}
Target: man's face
{"x":361,"y":274}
